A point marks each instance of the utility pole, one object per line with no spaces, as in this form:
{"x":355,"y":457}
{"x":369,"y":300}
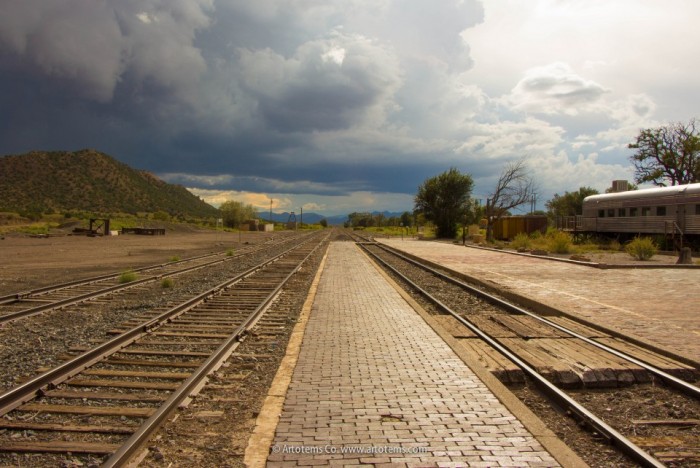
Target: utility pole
{"x":271,"y":211}
{"x":301,"y":216}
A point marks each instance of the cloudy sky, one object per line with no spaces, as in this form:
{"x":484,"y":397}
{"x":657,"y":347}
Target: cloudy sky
{"x":347,"y":105}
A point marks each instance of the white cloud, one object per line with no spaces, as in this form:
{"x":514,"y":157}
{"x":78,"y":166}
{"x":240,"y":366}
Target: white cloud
{"x":321,"y":204}
{"x":327,"y":84}
{"x":92,"y":46}
{"x":555,"y":89}
{"x":336,"y":101}
{"x":509,"y":139}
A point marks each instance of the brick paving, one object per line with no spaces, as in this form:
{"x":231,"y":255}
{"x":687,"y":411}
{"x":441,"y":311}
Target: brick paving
{"x":660,"y":306}
{"x":374,"y":385}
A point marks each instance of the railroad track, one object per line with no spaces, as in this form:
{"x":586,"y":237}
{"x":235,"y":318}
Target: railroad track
{"x":108,"y":400}
{"x":556,"y":352}
{"x":24,"y":304}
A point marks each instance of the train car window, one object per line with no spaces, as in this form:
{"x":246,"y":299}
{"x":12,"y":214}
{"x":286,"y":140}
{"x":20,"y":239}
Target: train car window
{"x":611,"y":213}
{"x":697,"y":209}
{"x":621,"y":212}
{"x":633,"y":211}
{"x":646,"y":210}
{"x":660,"y":211}
{"x":601,"y":213}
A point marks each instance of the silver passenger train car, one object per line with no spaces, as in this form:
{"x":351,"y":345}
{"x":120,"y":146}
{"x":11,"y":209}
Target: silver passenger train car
{"x":666,"y":210}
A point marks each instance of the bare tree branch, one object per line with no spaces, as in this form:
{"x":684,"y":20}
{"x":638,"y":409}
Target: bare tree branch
{"x":514,"y":188}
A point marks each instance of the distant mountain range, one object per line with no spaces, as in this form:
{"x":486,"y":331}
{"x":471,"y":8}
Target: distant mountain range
{"x":87,"y":180}
{"x":313,"y":218}
{"x":91,"y":181}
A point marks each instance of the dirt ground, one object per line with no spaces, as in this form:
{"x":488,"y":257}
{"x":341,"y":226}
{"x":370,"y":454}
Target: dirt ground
{"x":29,"y":262}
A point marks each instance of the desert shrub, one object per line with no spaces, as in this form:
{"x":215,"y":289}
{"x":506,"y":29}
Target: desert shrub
{"x":535,"y":235}
{"x":229,"y":252}
{"x":521,"y":241}
{"x":128,"y":276}
{"x":167,"y":283}
{"x":641,"y":248}
{"x":174,"y":258}
{"x":559,"y":242}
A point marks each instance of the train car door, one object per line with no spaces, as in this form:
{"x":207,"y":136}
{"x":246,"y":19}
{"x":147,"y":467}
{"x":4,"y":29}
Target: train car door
{"x":680,"y":217}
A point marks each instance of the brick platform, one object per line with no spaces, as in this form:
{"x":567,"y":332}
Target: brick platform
{"x":374,"y":385}
{"x":660,"y":306}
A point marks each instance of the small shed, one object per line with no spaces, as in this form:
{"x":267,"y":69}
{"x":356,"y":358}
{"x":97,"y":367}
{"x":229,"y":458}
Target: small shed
{"x":508,"y":227}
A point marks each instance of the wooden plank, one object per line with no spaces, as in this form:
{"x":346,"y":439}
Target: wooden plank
{"x":92,"y":410}
{"x":666,"y":422}
{"x":685,"y":456}
{"x":491,"y":328}
{"x":454,"y":326}
{"x":669,"y":365}
{"x":198,"y":320}
{"x":528,"y":327}
{"x":665,"y":441}
{"x":191,"y":328}
{"x":154,"y":363}
{"x":62,"y":427}
{"x":192,"y":335}
{"x":574,"y":326}
{"x":145,"y":375}
{"x":566,"y":352}
{"x":122,"y":384}
{"x":608,"y":365}
{"x":79,"y":395}
{"x":59,"y":446}
{"x":152,"y":342}
{"x":159,"y":352}
{"x":544,"y":362}
{"x":493,"y":361}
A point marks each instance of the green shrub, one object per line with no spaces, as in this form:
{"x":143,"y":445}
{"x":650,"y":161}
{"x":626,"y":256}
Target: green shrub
{"x":559,"y":242}
{"x":167,"y":283}
{"x":521,"y":241}
{"x":229,"y":252}
{"x":128,"y":276}
{"x":641,"y":248}
{"x":174,"y":258}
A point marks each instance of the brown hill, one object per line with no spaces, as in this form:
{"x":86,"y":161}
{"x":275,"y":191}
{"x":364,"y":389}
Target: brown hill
{"x":88,"y":180}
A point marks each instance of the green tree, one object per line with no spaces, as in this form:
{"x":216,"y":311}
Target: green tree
{"x":443,"y":200}
{"x":406,"y":219}
{"x":356,"y":219}
{"x":569,"y":204}
{"x":667,"y":154}
{"x":323,"y":222}
{"x":234,"y":213}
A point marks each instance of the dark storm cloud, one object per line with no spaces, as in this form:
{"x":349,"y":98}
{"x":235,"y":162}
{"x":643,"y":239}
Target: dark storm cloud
{"x":265,"y":89}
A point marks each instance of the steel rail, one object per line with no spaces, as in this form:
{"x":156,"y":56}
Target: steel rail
{"x":127,"y":450}
{"x":15,"y":297}
{"x":18,"y":296}
{"x":36,"y":386}
{"x":561,"y":398}
{"x":679,"y":384}
{"x":111,"y":289}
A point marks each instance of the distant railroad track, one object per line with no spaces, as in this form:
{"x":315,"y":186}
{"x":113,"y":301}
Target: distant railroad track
{"x":109,"y":399}
{"x":551,"y":352}
{"x":31,"y":302}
